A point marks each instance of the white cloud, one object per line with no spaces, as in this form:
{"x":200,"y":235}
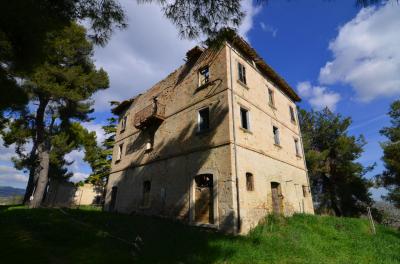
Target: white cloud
{"x":251,"y":9}
{"x":78,"y":176}
{"x":269,"y":29}
{"x":367,"y":53}
{"x":6,"y":153}
{"x":9,"y":176}
{"x":75,"y":156}
{"x":319,"y":97}
{"x":138,"y":57}
{"x":78,"y":165}
{"x":147,"y":51}
{"x":97,"y":128}
{"x":135,"y":59}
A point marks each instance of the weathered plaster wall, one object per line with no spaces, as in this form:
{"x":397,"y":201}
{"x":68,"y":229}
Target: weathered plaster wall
{"x":172,"y":186}
{"x":256,"y":151}
{"x":179,"y":152}
{"x":66,"y":194}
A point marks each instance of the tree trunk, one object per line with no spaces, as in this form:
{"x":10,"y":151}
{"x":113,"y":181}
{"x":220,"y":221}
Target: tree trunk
{"x":43,"y":147}
{"x":332,"y":196}
{"x":31,"y":185}
{"x":33,"y":176}
{"x":44,"y":157}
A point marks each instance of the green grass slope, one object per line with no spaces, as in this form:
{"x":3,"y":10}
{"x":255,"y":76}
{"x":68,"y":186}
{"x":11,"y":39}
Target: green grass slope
{"x":91,"y":236}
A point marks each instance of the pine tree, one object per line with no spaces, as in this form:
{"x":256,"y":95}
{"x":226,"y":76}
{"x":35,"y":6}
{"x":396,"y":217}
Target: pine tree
{"x":59,"y":92}
{"x":336,"y":179}
{"x":390,"y":178}
{"x":99,"y":157}
{"x":24,"y":28}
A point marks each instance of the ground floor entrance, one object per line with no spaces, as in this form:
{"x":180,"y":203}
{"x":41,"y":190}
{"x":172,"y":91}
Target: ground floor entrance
{"x":204,"y":211}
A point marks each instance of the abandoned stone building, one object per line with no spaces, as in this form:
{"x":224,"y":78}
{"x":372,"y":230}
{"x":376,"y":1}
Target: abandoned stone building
{"x":216,"y":143}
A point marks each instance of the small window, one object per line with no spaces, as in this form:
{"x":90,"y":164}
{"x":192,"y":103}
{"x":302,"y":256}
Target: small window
{"x":305,"y":191}
{"x":275,"y":130}
{"x":271,"y":100}
{"x":249,"y":182}
{"x":119,"y":152}
{"x":203,"y":120}
{"x":146,"y":193}
{"x":292,"y":117}
{"x":242,"y":73}
{"x":296,"y":145}
{"x":123,"y":124}
{"x":244,"y":117}
{"x":204,"y":76}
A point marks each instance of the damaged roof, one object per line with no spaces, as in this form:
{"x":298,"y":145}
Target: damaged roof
{"x":242,"y":45}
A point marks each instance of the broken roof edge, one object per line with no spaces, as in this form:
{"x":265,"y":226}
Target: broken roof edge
{"x":123,"y":106}
{"x":245,"y":47}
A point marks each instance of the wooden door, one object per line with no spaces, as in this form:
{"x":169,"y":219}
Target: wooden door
{"x":276,"y":198}
{"x":204,"y":199}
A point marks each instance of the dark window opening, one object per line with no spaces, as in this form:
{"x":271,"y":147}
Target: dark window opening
{"x":244,"y":117}
{"x":146,"y":193}
{"x":123,"y":123}
{"x":292,"y":116}
{"x":204,"y":76}
{"x":305,"y":191}
{"x":119,"y":152}
{"x":242,"y":73}
{"x":249,"y":182}
{"x":296,"y":145}
{"x":204,"y":119}
{"x":271,"y":97}
{"x":275,"y":130}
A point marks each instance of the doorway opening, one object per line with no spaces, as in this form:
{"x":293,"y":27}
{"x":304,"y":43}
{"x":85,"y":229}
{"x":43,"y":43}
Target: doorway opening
{"x":276,"y":193}
{"x":204,"y":200}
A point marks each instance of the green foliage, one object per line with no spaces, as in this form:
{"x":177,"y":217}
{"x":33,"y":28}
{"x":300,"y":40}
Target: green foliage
{"x":194,"y":18}
{"x":337,"y":181}
{"x":390,"y":178}
{"x":99,"y":157}
{"x":25,"y":26}
{"x":390,"y":215}
{"x":59,"y":91}
{"x":87,"y":236}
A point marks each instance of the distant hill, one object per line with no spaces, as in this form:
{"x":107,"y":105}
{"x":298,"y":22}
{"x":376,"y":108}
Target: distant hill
{"x":7,"y":191}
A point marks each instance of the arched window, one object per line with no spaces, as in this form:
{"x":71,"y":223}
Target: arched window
{"x":249,"y":181}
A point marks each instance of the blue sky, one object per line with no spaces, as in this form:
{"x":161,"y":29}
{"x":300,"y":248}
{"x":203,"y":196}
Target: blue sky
{"x":333,"y":53}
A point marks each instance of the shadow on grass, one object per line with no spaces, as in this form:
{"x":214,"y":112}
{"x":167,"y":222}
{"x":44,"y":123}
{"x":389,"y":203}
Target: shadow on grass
{"x":50,"y":236}
{"x":82,"y":236}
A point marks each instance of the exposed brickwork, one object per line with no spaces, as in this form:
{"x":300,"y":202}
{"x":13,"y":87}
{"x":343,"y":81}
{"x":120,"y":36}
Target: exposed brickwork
{"x":179,"y":152}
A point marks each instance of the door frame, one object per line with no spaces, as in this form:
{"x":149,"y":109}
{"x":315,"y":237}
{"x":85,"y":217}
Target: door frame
{"x":281,"y":205}
{"x":192,"y":198}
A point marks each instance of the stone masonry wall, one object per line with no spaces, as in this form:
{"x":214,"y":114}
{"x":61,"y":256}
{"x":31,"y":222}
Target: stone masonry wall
{"x":256,"y":152}
{"x":179,"y":152}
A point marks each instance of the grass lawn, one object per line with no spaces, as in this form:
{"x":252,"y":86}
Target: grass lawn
{"x":87,"y":235}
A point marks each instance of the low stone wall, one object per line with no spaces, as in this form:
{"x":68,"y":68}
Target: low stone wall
{"x":66,"y":194}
